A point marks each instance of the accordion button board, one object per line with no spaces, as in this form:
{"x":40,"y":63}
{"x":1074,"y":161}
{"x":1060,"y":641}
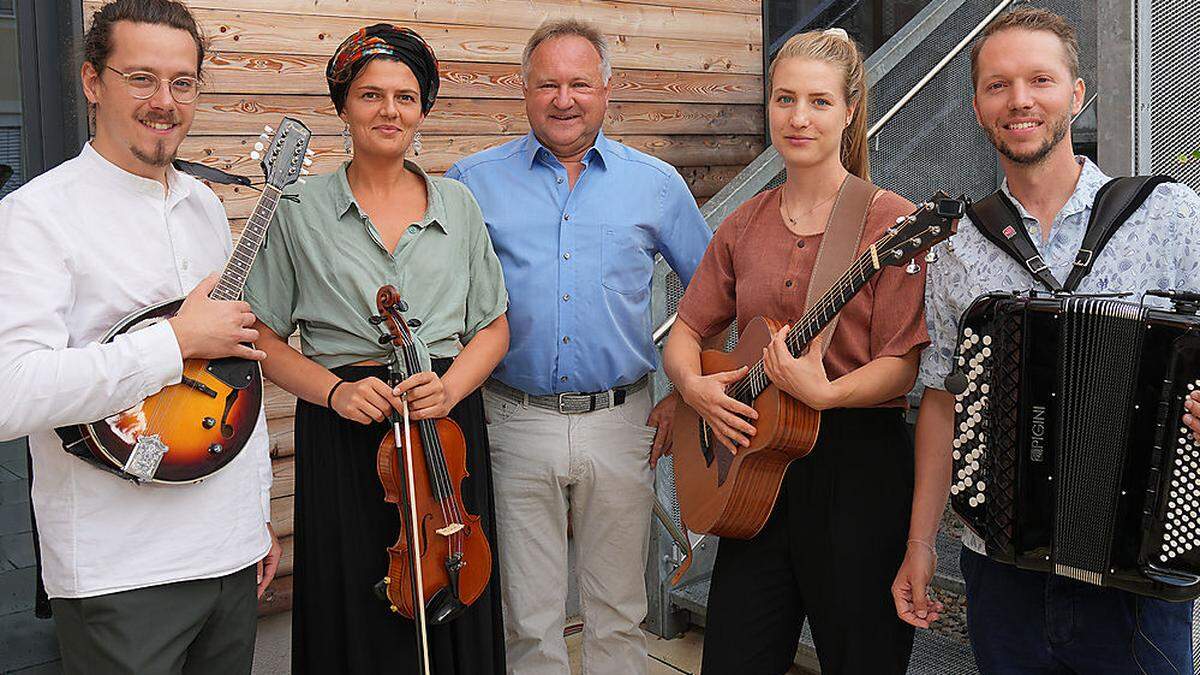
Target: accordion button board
{"x":1068,"y":451}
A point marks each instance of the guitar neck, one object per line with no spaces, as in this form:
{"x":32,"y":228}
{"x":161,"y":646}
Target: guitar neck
{"x":237,"y":268}
{"x":815,"y":319}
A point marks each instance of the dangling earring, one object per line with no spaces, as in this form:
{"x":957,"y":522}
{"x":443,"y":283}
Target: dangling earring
{"x":347,"y":145}
{"x":416,"y":144}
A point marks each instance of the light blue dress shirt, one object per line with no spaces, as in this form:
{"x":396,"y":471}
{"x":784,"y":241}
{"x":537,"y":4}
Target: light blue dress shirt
{"x":578,"y":263}
{"x":1158,"y":247}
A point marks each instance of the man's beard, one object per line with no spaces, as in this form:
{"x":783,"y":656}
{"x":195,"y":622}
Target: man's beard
{"x":160,"y":156}
{"x":1058,"y":131}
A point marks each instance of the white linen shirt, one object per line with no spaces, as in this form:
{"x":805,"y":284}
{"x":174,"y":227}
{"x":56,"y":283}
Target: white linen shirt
{"x":1157,"y":248}
{"x":82,"y":246}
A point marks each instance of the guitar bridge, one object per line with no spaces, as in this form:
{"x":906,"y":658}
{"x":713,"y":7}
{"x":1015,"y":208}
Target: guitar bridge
{"x":147,"y":454}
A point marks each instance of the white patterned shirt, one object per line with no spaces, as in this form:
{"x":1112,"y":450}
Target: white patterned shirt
{"x":1157,"y":248}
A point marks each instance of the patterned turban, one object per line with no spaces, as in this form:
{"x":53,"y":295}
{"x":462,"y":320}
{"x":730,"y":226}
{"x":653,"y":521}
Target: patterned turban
{"x":382,"y":39}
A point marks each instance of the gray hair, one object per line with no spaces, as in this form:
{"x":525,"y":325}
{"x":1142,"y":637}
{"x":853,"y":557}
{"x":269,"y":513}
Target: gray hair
{"x":555,"y":28}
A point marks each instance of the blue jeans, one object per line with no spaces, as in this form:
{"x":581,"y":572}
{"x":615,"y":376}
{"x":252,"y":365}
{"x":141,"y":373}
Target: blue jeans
{"x":1034,"y":622}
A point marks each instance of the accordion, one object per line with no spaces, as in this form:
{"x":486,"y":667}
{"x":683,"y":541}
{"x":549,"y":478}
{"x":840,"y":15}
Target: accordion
{"x":1069,"y":451}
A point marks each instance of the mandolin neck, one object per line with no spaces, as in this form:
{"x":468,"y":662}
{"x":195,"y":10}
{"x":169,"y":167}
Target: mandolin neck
{"x":237,"y":268}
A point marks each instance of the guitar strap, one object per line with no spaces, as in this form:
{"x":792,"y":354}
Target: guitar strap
{"x":839,"y":245}
{"x":998,"y":220}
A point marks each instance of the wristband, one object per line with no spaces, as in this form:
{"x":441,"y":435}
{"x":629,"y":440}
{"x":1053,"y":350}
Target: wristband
{"x":329,"y":396}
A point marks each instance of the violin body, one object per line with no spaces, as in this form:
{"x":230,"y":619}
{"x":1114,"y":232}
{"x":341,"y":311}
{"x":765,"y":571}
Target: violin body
{"x":732,"y":494}
{"x":447,"y":591}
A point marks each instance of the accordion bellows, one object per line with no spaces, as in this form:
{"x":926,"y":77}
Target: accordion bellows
{"x":1069,"y":454}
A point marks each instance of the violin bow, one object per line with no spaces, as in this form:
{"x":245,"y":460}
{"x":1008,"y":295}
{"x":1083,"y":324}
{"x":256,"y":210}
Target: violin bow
{"x":402,"y":424}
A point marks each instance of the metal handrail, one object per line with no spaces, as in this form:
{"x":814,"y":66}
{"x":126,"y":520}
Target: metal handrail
{"x":665,"y":328}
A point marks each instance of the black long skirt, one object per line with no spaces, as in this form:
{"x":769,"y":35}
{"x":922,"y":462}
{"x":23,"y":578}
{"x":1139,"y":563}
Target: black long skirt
{"x":342,"y":530}
{"x":827,"y":554}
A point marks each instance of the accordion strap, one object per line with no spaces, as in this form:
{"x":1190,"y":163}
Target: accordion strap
{"x":998,"y":220}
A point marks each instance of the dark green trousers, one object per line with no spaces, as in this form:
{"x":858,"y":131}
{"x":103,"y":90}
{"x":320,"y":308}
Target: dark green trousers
{"x":190,"y":627}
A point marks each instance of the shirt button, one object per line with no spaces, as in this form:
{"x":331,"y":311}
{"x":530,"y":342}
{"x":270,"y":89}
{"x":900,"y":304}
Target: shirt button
{"x":412,"y":228}
{"x":788,"y":283}
{"x":566,"y":297}
{"x":558,"y":180}
{"x":566,"y":340}
{"x":563,"y":378}
{"x":800,"y":244}
{"x":567,"y":217}
{"x":567,"y":256}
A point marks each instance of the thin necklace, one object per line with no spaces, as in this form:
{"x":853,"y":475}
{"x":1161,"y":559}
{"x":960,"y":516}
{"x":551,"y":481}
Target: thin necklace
{"x":787,"y":212}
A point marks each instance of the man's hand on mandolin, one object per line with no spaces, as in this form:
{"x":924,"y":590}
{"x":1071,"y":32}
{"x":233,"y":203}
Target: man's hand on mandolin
{"x":211,"y":329}
{"x":803,"y":378}
{"x":725,"y":415}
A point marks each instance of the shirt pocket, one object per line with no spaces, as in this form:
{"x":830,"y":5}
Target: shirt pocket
{"x":626,"y":266}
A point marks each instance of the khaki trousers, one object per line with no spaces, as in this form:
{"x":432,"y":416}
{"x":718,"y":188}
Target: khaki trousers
{"x":597,"y":464}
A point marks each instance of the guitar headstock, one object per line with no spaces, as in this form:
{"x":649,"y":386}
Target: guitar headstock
{"x":934,"y":221}
{"x":283,"y":153}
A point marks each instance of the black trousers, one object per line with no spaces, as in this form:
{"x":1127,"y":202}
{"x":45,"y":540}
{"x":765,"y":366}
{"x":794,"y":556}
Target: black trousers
{"x":828,"y":553}
{"x":343,"y":530}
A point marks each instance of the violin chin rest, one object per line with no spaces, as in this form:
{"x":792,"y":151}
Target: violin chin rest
{"x":443,"y":607}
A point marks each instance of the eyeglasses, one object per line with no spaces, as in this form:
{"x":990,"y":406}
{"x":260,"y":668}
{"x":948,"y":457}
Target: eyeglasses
{"x":143,"y":85}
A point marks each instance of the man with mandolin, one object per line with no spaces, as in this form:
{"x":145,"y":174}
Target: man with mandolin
{"x":142,"y":576}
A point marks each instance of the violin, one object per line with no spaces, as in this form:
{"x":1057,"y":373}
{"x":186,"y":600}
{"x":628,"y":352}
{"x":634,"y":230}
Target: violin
{"x":441,"y":562}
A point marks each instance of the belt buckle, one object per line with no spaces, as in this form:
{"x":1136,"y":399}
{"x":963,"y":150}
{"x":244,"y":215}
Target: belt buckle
{"x":562,"y":404}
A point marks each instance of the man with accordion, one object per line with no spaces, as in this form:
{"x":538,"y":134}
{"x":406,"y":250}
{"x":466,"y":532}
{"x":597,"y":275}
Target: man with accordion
{"x":1053,"y":413}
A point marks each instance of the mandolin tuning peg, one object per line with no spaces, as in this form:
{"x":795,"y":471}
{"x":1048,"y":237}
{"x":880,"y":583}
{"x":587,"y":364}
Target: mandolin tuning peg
{"x":307,"y":161}
{"x":267,"y":128}
{"x":255,"y":155}
{"x":913,"y":267}
{"x":301,"y":181}
{"x":259,"y":147}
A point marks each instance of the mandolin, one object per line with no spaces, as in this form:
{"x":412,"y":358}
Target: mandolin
{"x":729,"y":493}
{"x":192,"y":429}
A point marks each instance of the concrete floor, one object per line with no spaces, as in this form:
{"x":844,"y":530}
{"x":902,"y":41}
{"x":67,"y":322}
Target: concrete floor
{"x":272,"y":652}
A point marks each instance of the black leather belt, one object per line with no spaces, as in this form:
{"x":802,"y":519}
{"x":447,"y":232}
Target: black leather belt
{"x":570,"y":403}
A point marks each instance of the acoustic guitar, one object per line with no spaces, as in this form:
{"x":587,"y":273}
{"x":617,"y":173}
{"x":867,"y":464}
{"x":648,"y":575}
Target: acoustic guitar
{"x":732,"y":494}
{"x":192,"y":429}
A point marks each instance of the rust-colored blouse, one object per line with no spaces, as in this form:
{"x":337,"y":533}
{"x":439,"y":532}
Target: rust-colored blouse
{"x":756,"y":266}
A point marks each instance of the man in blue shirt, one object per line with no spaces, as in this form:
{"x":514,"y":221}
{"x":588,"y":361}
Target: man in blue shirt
{"x":577,"y":220}
{"x":1027,"y":90}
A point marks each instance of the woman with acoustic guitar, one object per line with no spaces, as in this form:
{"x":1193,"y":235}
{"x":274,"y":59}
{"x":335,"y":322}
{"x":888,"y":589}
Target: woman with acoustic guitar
{"x":837,"y":530}
{"x":378,"y":220}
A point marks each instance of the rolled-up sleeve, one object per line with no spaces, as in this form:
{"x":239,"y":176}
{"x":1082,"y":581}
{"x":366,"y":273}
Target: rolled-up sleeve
{"x":941,"y":321}
{"x":710,"y":301}
{"x":487,"y":297}
{"x":271,"y":287}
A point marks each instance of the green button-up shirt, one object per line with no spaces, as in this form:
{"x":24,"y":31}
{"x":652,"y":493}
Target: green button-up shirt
{"x":324,"y":261}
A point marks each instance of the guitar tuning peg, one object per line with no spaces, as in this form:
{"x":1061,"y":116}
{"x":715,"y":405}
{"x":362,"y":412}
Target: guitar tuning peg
{"x":913,"y":267}
{"x":259,"y":147}
{"x":931,"y":256}
{"x":254,"y":154}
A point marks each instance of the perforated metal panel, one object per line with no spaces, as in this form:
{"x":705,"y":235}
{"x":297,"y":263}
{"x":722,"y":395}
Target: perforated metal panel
{"x":10,"y":154}
{"x":1175,"y":88}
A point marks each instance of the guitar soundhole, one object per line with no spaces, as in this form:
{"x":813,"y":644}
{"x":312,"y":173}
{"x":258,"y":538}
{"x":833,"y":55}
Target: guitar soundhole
{"x":706,"y":445}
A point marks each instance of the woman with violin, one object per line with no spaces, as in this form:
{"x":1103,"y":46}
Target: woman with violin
{"x":837,"y":532}
{"x":380,"y":220}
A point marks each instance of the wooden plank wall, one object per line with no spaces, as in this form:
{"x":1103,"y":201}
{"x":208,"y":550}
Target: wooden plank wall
{"x":687,"y":87}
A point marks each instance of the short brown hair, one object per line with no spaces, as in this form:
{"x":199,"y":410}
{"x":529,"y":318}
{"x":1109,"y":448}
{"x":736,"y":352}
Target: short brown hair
{"x":97,"y":41}
{"x":562,"y":28}
{"x":1033,"y":19}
